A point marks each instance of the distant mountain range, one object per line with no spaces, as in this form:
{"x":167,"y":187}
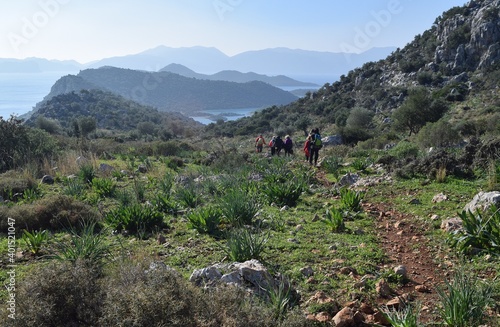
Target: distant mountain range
{"x":167,"y":91}
{"x":238,"y":77}
{"x":294,"y":63}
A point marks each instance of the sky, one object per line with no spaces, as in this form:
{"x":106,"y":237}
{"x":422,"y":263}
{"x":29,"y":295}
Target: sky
{"x":89,"y":30}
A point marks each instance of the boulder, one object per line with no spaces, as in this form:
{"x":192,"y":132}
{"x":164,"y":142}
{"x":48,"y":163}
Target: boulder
{"x":332,"y":140}
{"x":105,"y":168}
{"x":344,"y":318}
{"x":47,"y":179}
{"x":347,"y":180}
{"x":483,"y":201}
{"x":451,"y":225}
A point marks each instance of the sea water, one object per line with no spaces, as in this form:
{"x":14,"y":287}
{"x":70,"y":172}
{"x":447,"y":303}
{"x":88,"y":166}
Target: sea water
{"x":20,"y":92}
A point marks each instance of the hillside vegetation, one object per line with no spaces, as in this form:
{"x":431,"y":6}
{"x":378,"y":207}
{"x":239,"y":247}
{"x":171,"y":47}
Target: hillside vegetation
{"x":199,"y":229}
{"x":172,"y":92}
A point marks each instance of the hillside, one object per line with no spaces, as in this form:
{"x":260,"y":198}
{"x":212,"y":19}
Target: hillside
{"x":455,"y":62}
{"x":171,"y":92}
{"x":238,"y":77}
{"x":110,"y":112}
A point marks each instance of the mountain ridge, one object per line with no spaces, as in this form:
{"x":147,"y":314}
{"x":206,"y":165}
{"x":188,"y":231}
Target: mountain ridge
{"x":172,"y":92}
{"x":236,"y":76}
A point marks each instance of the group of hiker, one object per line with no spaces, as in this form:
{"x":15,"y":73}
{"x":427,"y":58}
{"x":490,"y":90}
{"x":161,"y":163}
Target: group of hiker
{"x":311,"y":148}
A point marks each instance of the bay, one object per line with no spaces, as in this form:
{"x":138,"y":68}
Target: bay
{"x":20,"y":92}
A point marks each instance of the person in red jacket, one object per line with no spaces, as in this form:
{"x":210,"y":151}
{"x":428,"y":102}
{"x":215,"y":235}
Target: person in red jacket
{"x":259,"y":143}
{"x":307,"y":147}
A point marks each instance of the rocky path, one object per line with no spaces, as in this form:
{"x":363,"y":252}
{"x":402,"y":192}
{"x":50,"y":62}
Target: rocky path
{"x":406,"y":244}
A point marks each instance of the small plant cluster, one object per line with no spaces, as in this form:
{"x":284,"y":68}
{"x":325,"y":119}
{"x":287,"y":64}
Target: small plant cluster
{"x":480,"y":232}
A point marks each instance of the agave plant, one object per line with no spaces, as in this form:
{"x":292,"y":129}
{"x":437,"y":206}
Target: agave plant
{"x":34,"y":240}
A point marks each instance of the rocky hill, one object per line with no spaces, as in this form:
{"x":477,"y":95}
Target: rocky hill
{"x":110,"y":112}
{"x":171,"y":92}
{"x":456,"y":61}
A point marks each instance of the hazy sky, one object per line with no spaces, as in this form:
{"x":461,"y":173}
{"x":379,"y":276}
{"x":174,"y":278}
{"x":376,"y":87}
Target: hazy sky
{"x":87,"y":30}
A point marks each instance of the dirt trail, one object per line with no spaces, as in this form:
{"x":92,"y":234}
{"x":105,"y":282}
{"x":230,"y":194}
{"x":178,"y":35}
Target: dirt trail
{"x":405,"y":242}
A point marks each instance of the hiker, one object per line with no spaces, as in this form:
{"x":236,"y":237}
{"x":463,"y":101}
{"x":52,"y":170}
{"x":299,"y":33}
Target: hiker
{"x":288,"y":146}
{"x":316,"y":145}
{"x":259,"y":143}
{"x":278,"y":143}
{"x":272,"y":145}
{"x":307,"y":147}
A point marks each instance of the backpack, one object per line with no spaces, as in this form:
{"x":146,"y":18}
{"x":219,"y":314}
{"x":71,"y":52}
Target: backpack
{"x":317,"y":143}
{"x":271,"y":143}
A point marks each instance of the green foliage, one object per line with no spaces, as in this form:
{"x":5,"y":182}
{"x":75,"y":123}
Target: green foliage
{"x":242,"y":245}
{"x":404,"y":150}
{"x":87,"y":245}
{"x":188,"y":196}
{"x":360,"y":118}
{"x":418,"y":109}
{"x":73,"y":187}
{"x":281,"y":298}
{"x":351,"y":200}
{"x":480,"y":231}
{"x":164,"y":203}
{"x":50,"y":212}
{"x":139,"y":188}
{"x":405,"y":316}
{"x":464,"y":300}
{"x":35,"y":240}
{"x":135,"y":218}
{"x":438,"y":134}
{"x":238,"y":207}
{"x":205,"y":220}
{"x":104,"y":187}
{"x":283,"y":190}
{"x":361,"y":164}
{"x":87,"y":173}
{"x":332,"y":165}
{"x":334,"y":218}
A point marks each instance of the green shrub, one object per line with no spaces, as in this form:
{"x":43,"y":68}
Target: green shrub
{"x":281,"y":298}
{"x":464,"y":300}
{"x":205,"y":220}
{"x":406,"y":316}
{"x":332,"y":165}
{"x":104,"y":187}
{"x":135,"y":218}
{"x":334,"y":218}
{"x":87,"y":173}
{"x":86,"y":245}
{"x":188,"y":196}
{"x":74,"y":187}
{"x":404,"y":150}
{"x":164,"y":203}
{"x":480,"y":231}
{"x":11,"y":183}
{"x":58,"y":294}
{"x":238,"y":208}
{"x":53,"y":213}
{"x":242,"y":245}
{"x":286,"y":193}
{"x":35,"y":240}
{"x":351,"y":200}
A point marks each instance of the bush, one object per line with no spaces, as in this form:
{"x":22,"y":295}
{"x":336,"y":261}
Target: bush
{"x":351,"y":200}
{"x":464,"y":301}
{"x":334,"y":218}
{"x":238,"y":208}
{"x":58,"y":294}
{"x":205,"y":220}
{"x":287,"y":193}
{"x":480,"y":232}
{"x":54,"y":213}
{"x":35,"y":240}
{"x":404,"y":150}
{"x":104,"y":187}
{"x":242,"y":245}
{"x":11,"y":183}
{"x":135,"y":218}
{"x":87,"y":246}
